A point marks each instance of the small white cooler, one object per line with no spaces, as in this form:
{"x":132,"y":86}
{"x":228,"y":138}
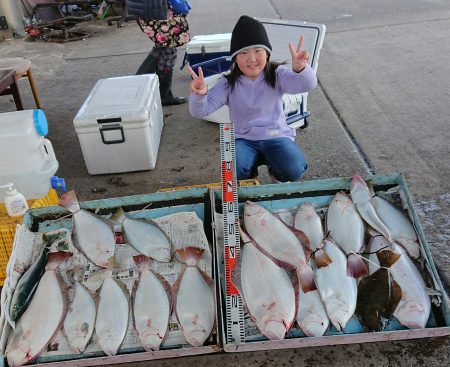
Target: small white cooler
{"x":120,"y":123}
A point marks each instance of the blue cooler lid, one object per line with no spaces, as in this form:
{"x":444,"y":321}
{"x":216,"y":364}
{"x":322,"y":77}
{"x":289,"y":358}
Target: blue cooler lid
{"x":40,"y":122}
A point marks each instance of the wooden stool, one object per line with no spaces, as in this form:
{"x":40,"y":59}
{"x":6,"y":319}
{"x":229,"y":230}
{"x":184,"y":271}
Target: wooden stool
{"x":23,"y":68}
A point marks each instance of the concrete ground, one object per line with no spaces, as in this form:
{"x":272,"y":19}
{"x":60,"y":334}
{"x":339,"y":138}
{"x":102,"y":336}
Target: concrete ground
{"x":381,"y":107}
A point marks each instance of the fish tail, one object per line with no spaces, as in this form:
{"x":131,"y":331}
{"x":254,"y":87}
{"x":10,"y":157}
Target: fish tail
{"x":387,"y":258}
{"x":119,"y":216}
{"x":69,"y":201}
{"x":141,"y":262}
{"x":306,"y":279}
{"x":356,"y":268}
{"x":190,"y":255}
{"x":321,"y":258}
{"x":55,"y":259}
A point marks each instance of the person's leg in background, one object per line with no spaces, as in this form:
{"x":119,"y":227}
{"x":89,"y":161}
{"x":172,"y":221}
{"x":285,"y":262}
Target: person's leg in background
{"x":284,"y":158}
{"x":161,"y":60}
{"x":247,"y":158}
{"x":166,"y":64}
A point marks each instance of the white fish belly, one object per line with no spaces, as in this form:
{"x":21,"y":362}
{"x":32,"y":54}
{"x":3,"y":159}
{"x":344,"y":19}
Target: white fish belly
{"x":112,"y":317}
{"x":94,"y":237}
{"x":148,"y":239}
{"x":345,"y":225}
{"x":151,"y":309}
{"x":337,"y":290}
{"x":268,"y":293}
{"x":80,"y":319}
{"x":274,"y":237}
{"x":39,"y":323}
{"x":308,"y":221}
{"x":195,"y":307}
{"x":414,"y":308}
{"x":312,"y":316}
{"x":399,"y":226}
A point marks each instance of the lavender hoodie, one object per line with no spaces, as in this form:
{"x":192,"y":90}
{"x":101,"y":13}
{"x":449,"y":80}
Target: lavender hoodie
{"x":256,"y":109}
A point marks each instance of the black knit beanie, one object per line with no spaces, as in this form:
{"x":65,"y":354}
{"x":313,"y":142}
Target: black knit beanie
{"x":248,"y":33}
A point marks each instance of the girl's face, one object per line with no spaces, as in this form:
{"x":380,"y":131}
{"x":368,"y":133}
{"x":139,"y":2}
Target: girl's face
{"x":252,"y":62}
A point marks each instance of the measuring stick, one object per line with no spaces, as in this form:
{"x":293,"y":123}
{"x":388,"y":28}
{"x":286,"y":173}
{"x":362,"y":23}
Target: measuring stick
{"x":234,"y":305}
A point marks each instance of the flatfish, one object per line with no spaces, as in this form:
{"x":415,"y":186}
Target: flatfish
{"x":399,"y":226}
{"x":194,"y":298}
{"x":337,"y":290}
{"x":80,"y":319}
{"x":91,"y":233}
{"x":361,"y":197}
{"x":112,"y":315}
{"x":151,"y":306}
{"x":145,"y":236}
{"x":346,"y":228}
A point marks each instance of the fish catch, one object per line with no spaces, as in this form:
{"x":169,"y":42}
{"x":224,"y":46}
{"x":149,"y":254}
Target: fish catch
{"x":337,"y":290}
{"x":42,"y":319}
{"x":194,"y":298}
{"x":28,"y":282}
{"x":151,"y":306}
{"x":308,"y":221}
{"x":80,"y":319}
{"x":267,"y":291}
{"x":93,"y":236}
{"x":346,"y":228}
{"x":279,"y":241}
{"x":312,"y":316}
{"x":112,"y":315}
{"x":145,"y":236}
{"x":399,"y":226}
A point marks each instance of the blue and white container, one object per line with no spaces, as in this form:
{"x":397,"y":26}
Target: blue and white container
{"x":26,"y":157}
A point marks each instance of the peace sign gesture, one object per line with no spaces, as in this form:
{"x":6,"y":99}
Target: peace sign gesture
{"x":299,"y":57}
{"x":198,"y":85}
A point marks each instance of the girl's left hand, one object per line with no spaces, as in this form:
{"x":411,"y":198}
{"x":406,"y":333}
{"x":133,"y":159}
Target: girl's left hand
{"x":300,"y":57}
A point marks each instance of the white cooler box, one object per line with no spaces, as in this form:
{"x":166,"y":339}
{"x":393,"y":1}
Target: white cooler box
{"x":120,"y":123}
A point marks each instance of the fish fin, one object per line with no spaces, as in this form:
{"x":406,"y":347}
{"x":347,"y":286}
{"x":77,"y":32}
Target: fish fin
{"x":387,"y":258}
{"x":356,"y":268}
{"x":55,"y":259}
{"x":142,"y":262}
{"x":174,"y":293}
{"x":69,"y":201}
{"x":189,"y":255}
{"x":306,"y":278}
{"x":304,"y":241}
{"x":119,"y":216}
{"x":411,"y":246}
{"x":321,"y":258}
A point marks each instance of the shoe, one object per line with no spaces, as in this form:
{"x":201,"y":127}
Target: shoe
{"x":148,"y":66}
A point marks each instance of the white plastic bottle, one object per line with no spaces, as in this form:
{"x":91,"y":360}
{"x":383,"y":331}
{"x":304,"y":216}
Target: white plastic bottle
{"x":15,"y":202}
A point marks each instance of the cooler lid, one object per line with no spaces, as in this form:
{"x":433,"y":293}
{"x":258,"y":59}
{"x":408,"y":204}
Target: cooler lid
{"x":127,"y":98}
{"x":281,"y":32}
{"x":219,"y":42}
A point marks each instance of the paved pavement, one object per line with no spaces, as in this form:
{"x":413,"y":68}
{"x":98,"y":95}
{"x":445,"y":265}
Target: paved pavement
{"x":381,"y":107}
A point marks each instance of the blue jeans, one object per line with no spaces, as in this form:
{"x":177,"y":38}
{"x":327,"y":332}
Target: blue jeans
{"x":282,"y":156}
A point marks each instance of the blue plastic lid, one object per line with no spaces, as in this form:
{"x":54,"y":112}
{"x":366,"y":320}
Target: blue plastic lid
{"x":40,"y":122}
{"x":58,"y":182}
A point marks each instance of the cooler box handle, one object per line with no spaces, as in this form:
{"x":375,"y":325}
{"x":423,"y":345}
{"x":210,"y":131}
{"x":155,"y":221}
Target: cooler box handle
{"x":112,"y":128}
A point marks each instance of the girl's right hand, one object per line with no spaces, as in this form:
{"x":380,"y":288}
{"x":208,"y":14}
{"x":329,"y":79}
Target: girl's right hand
{"x":198,"y":85}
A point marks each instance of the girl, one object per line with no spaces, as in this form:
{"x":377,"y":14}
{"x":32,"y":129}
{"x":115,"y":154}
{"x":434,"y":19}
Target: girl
{"x":253,"y":91}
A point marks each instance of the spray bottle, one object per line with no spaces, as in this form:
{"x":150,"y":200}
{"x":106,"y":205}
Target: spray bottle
{"x":15,"y":202}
